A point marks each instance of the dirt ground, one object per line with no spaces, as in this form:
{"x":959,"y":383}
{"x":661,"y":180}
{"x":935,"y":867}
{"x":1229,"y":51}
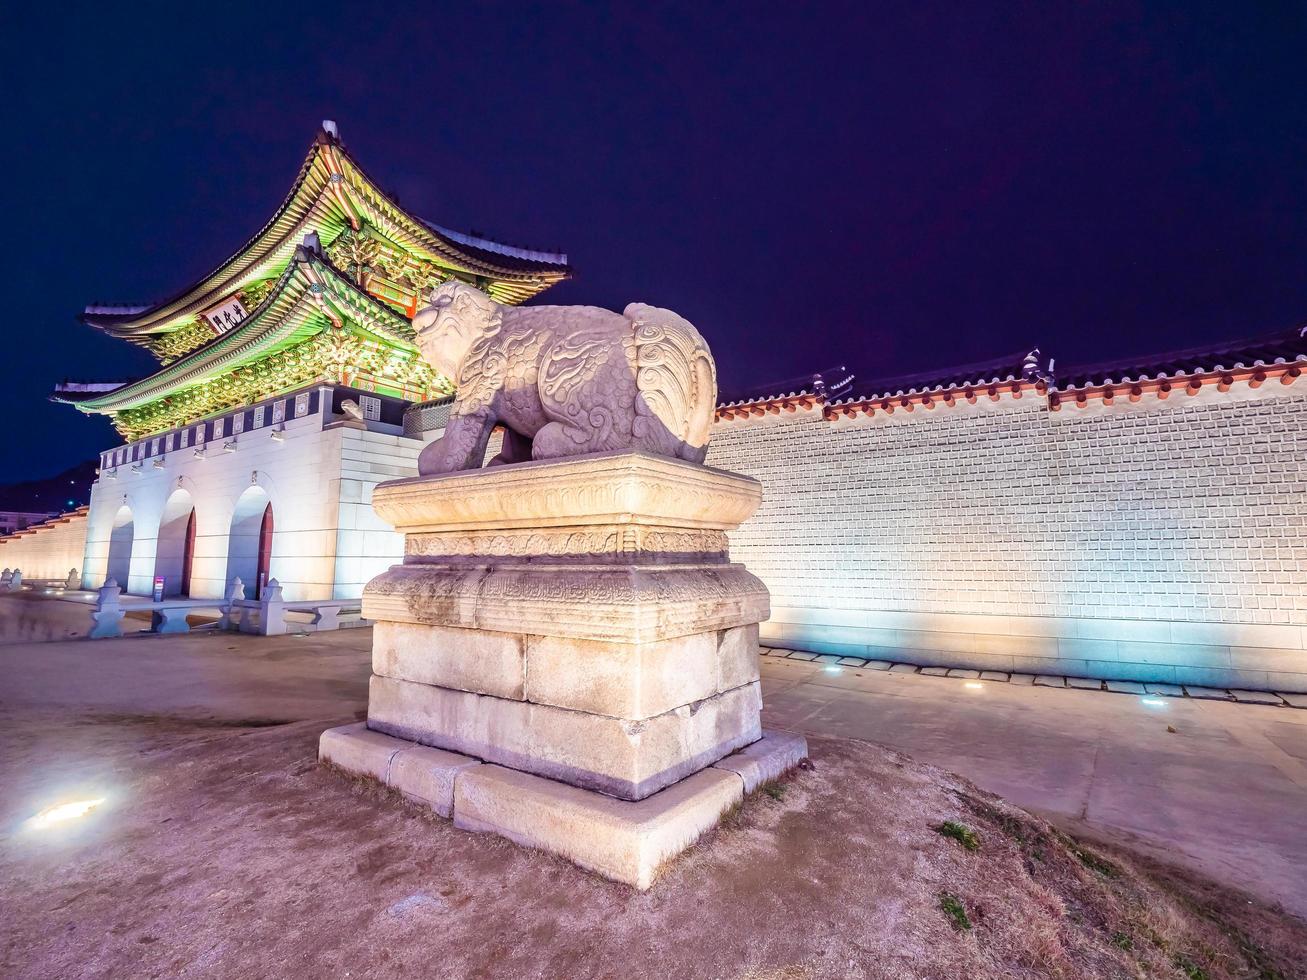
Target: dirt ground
{"x":224,"y":850}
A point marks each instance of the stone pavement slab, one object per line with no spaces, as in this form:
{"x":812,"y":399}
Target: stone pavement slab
{"x":1207,"y":693}
{"x":1022,"y":679}
{"x":935,"y":671}
{"x":1085,"y":683}
{"x":994,"y":675}
{"x":1126,"y":687}
{"x":1166,"y":690}
{"x":878,"y":665}
{"x":1257,"y":697}
{"x":1294,"y":700}
{"x":903,"y":669}
{"x":964,"y":674}
{"x":1044,"y":680}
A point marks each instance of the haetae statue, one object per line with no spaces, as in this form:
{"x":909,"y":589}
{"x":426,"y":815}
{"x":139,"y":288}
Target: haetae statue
{"x":564,"y":380}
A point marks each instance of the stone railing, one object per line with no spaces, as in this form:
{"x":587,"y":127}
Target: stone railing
{"x":265,"y":616}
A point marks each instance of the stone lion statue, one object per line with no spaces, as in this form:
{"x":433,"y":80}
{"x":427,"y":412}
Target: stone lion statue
{"x":564,"y":380}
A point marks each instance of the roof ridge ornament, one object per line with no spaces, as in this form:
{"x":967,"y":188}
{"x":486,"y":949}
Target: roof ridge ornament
{"x":331,"y":129}
{"x":1032,"y":368}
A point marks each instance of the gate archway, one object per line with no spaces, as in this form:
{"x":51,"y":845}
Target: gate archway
{"x":121,"y":539}
{"x":175,"y":550}
{"x":249,"y":545}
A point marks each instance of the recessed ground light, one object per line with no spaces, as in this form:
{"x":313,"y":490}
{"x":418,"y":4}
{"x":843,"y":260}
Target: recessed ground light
{"x":833,"y":670}
{"x":62,"y":813}
{"x":975,"y":684}
{"x":1153,"y":702}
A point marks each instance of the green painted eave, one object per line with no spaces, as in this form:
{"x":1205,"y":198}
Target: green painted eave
{"x":310,"y":297}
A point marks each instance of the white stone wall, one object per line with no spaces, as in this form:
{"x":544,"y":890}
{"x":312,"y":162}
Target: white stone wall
{"x":326,"y":541}
{"x":1163,"y":540}
{"x":365,"y":545}
{"x":50,"y":551}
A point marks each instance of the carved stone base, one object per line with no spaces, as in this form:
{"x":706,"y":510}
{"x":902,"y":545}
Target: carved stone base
{"x":576,"y":619}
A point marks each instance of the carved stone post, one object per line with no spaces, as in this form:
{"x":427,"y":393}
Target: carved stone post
{"x":108,"y":613}
{"x":231,"y":613}
{"x":272,"y":610}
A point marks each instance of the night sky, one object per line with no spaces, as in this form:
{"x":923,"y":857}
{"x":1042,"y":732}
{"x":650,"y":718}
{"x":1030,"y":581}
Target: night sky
{"x":897,"y":188}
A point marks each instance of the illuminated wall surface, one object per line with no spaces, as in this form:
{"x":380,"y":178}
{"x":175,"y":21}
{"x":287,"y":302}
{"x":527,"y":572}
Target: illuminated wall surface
{"x":1158,"y":540}
{"x":1164,"y":540}
{"x":316,"y":473}
{"x":47,"y":551}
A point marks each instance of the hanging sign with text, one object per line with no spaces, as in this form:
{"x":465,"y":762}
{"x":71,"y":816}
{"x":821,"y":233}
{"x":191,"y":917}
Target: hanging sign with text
{"x":225,"y":315}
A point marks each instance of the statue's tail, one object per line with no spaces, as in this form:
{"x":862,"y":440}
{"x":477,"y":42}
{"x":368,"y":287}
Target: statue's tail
{"x":677,"y":382}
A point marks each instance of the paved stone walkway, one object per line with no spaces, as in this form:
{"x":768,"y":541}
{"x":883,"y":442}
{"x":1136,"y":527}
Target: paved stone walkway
{"x":1212,"y":784}
{"x":1278,"y":699}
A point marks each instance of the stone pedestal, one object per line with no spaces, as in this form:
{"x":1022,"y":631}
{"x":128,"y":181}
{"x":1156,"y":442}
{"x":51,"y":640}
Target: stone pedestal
{"x":577,"y":620}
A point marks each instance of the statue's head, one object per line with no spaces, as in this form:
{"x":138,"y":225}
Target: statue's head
{"x":455,"y":317}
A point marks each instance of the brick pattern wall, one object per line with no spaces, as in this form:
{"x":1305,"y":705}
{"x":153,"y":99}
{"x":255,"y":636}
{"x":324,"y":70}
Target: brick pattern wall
{"x":1189,"y":510}
{"x":1200,"y":510}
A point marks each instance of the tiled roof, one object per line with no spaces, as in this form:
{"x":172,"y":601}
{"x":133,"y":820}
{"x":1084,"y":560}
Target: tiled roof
{"x":524,"y":259}
{"x":1283,"y":347}
{"x":1281,"y":355}
{"x":827,"y":383}
{"x":981,"y":374}
{"x":330,"y":192}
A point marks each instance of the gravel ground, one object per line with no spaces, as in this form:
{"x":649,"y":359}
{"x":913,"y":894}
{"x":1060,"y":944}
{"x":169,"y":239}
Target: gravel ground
{"x":224,"y":850}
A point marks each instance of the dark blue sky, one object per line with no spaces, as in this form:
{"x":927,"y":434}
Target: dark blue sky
{"x":895,"y":187}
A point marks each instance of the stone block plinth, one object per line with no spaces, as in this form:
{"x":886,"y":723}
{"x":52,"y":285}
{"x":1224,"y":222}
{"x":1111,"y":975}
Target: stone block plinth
{"x":577,"y":619}
{"x":627,"y":841}
{"x":576,"y":625}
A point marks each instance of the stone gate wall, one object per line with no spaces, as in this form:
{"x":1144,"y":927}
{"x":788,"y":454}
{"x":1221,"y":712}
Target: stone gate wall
{"x":1163,"y":540}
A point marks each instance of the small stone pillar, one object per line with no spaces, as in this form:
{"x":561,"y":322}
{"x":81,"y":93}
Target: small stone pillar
{"x":272,"y":609}
{"x":576,"y":624}
{"x":108,"y":613}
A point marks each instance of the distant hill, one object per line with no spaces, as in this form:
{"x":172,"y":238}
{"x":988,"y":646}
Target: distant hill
{"x":64,"y":491}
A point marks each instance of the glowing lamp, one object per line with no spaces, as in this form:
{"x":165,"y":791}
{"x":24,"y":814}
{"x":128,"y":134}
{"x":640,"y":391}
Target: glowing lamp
{"x":62,"y":812}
